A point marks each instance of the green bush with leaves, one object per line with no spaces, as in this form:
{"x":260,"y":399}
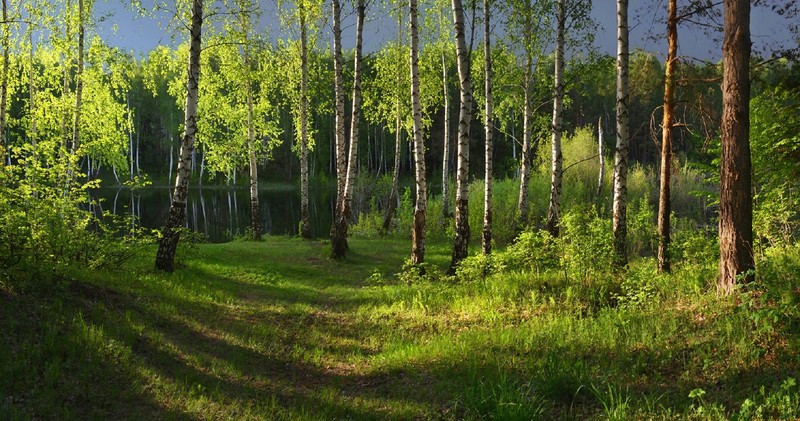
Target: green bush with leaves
{"x":45,"y":221}
{"x":586,"y":244}
{"x":534,"y":250}
{"x":775,"y":145}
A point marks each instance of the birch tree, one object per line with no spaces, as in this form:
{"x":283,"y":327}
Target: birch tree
{"x":736,"y":201}
{"x":619,"y":208}
{"x":305,"y":216}
{"x":255,"y":208}
{"x":238,"y":125}
{"x":462,"y":232}
{"x":486,"y":238}
{"x":386,"y":102}
{"x":6,"y":45}
{"x":528,"y":27}
{"x":165,"y":257}
{"x":76,"y":130}
{"x":418,"y":233}
{"x":602,"y":160}
{"x":338,"y":86}
{"x":557,"y":159}
{"x":303,"y":18}
{"x":664,"y":206}
{"x":445,"y":39}
{"x":339,"y":237}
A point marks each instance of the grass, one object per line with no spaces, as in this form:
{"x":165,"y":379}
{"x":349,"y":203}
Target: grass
{"x":276,"y":330}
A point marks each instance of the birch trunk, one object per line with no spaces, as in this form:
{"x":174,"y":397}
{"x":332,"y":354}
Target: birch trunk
{"x":418,"y":233}
{"x":339,"y":239}
{"x":255,"y":208}
{"x":619,"y":218}
{"x":445,"y":140}
{"x":736,"y":200}
{"x":165,"y":258}
{"x":391,"y":206}
{"x":4,"y":87}
{"x":486,"y":240}
{"x":461,"y":242}
{"x":65,"y":133}
{"x":305,"y":217}
{"x":557,"y":159}
{"x":32,"y":93}
{"x":338,"y":86}
{"x":664,"y":205}
{"x":600,"y":154}
{"x":76,"y":127}
{"x":525,"y":164}
{"x":32,"y":96}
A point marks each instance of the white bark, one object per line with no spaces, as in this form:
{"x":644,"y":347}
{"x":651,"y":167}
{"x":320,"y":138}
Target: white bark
{"x":619,"y":221}
{"x":418,"y":235}
{"x":462,"y":231}
{"x":486,"y":241}
{"x":165,"y":257}
{"x":602,"y":158}
{"x":305,"y":218}
{"x":4,"y":85}
{"x":525,"y":165}
{"x":557,"y":159}
{"x":255,"y":208}
{"x":76,"y":128}
{"x":339,"y":234}
{"x":338,"y":86}
{"x":445,"y":137}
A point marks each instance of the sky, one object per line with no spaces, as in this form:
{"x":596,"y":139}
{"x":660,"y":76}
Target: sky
{"x":124,"y":28}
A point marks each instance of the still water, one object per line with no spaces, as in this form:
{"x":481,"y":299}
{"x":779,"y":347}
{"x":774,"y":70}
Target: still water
{"x":222,"y":213}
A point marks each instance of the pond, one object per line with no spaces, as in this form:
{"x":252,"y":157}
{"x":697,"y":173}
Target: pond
{"x":222,"y":213}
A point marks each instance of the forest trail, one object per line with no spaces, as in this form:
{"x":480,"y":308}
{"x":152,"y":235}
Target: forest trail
{"x":277,"y":330}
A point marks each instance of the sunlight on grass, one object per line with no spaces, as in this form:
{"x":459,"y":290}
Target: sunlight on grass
{"x":245,"y":333}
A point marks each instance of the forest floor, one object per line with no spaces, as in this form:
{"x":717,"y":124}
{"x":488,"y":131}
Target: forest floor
{"x":277,"y":330}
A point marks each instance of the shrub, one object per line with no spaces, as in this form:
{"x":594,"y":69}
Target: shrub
{"x":586,"y":242}
{"x":534,"y":250}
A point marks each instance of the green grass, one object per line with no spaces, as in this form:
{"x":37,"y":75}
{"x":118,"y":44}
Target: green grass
{"x":276,"y":330}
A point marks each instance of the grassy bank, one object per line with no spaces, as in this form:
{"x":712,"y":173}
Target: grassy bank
{"x":276,"y":330}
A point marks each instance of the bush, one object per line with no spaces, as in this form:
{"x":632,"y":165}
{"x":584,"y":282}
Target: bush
{"x":533,"y":251}
{"x":44,"y":224}
{"x":586,"y":242}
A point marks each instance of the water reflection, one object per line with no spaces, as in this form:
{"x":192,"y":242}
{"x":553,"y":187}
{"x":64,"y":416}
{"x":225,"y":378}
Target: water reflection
{"x":220,"y":213}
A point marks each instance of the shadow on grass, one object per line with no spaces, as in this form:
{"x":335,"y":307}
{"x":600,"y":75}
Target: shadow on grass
{"x":278,"y":338}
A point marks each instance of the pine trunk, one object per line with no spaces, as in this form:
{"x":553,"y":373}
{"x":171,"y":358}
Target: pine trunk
{"x":619,"y":217}
{"x":165,"y":257}
{"x":420,"y":208}
{"x":339,"y":239}
{"x":736,"y":200}
{"x":461,"y":242}
{"x":486,"y":240}
{"x":557,"y":159}
{"x":305,"y":216}
{"x":664,"y":205}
